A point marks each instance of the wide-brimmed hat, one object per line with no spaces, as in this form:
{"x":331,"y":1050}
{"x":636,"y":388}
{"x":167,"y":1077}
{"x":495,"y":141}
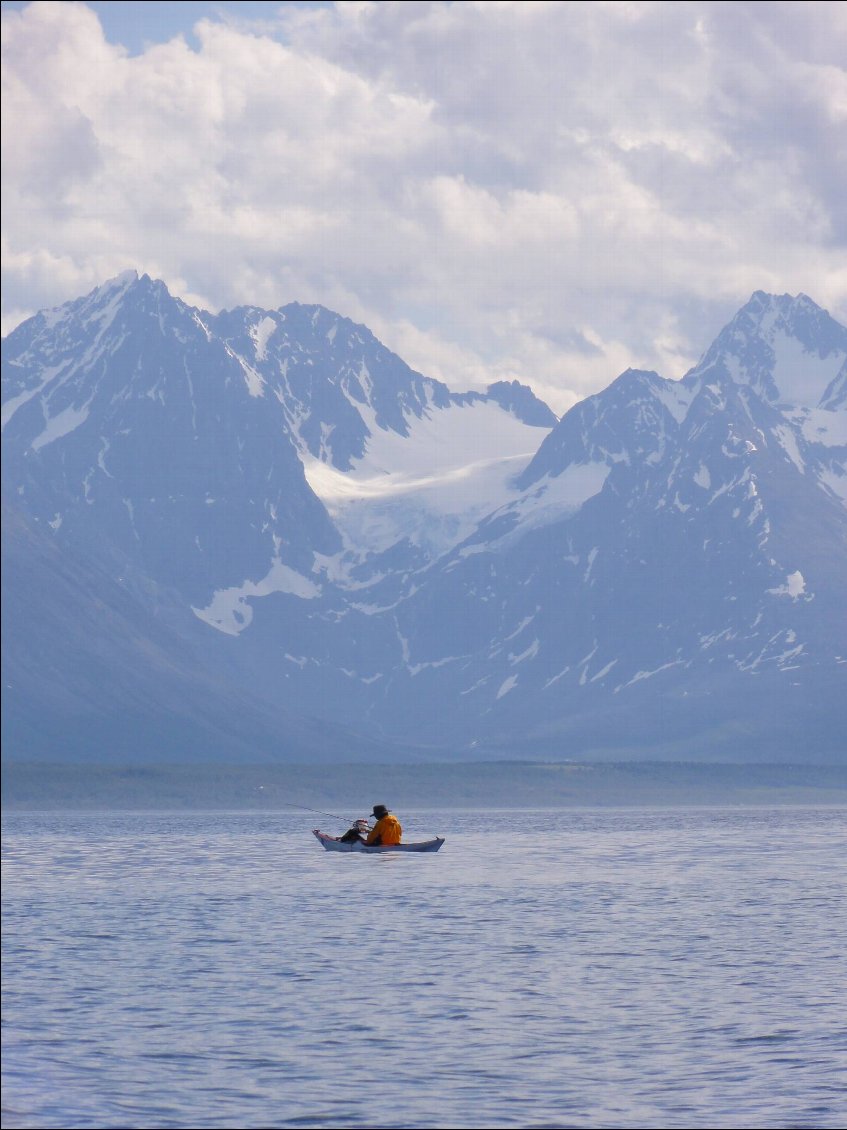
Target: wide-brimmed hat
{"x":379,"y":811}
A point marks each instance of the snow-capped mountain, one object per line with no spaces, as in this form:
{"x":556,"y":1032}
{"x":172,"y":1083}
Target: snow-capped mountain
{"x":334,"y":536}
{"x":394,"y":456}
{"x":182,"y":438}
{"x":678,"y":553}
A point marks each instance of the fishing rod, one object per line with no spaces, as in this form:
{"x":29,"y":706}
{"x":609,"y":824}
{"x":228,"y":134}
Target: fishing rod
{"x":305,"y":807}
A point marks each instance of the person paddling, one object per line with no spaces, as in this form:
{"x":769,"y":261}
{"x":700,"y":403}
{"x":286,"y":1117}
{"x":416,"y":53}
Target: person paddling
{"x":386,"y":831}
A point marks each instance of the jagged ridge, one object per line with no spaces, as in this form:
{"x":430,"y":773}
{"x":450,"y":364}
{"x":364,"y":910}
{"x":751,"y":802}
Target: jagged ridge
{"x":661,"y":570}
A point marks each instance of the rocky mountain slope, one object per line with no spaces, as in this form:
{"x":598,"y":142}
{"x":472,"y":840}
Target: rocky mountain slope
{"x":330,"y":549}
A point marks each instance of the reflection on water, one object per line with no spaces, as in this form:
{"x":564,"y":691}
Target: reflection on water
{"x":592,"y":968}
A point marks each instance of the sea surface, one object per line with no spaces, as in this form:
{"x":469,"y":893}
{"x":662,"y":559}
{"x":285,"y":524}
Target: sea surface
{"x":571,"y":968}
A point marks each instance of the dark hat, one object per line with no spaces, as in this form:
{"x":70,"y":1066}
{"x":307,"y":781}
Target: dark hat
{"x":379,"y":811}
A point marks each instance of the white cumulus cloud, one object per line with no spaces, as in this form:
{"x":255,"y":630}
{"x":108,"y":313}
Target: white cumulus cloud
{"x":536,"y":190}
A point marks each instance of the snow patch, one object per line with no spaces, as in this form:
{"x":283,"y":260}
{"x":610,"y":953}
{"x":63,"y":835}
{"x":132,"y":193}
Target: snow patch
{"x":114,"y":292}
{"x":639,"y":675}
{"x":675,"y":397}
{"x":604,"y":671}
{"x":821,"y":425}
{"x":11,"y":406}
{"x":254,"y":380}
{"x":555,"y":678}
{"x":62,"y":424}
{"x":228,"y":610}
{"x":710,"y":639}
{"x":591,"y":558}
{"x":788,"y":442}
{"x":802,"y":377}
{"x":416,"y":668}
{"x":526,"y":620}
{"x":261,"y":334}
{"x":101,"y":457}
{"x":553,"y":498}
{"x":507,"y":685}
{"x":834,"y":479}
{"x":795,"y":586}
{"x":530,"y":653}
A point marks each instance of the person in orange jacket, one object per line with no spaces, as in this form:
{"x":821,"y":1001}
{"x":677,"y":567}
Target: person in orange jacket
{"x":386,"y":831}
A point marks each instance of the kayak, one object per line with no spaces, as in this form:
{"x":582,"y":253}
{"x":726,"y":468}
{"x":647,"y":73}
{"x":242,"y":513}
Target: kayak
{"x":332,"y":843}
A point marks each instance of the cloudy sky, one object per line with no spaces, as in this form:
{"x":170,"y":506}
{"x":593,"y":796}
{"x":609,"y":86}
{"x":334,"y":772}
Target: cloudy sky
{"x":548,"y":191}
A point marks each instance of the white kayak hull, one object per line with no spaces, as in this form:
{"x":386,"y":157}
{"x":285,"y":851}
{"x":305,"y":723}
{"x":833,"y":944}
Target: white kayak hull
{"x":332,"y":843}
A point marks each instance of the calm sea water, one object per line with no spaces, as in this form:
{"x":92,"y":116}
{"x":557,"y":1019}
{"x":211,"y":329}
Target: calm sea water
{"x":626,"y":968}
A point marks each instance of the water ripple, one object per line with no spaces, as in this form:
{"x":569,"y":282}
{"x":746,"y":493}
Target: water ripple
{"x":629,"y":968}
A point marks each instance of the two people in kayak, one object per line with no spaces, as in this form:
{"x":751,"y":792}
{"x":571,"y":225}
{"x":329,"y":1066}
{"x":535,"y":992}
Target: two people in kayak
{"x":384,"y":833}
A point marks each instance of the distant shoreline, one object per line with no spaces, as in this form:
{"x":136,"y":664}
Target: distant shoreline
{"x":493,"y":784}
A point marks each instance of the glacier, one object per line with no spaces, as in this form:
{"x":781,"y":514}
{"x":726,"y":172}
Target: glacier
{"x":259,"y":533}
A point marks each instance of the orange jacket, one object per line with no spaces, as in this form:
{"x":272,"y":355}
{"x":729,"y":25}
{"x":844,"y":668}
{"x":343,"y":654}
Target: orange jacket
{"x":386,"y":831}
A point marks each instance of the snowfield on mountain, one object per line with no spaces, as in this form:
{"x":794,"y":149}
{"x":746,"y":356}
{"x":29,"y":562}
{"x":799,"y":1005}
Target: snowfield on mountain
{"x":261,"y":533}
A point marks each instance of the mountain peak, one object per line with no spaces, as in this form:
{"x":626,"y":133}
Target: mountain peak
{"x":119,"y":287}
{"x":123,"y":280}
{"x":275,"y":503}
{"x":793,"y":314}
{"x":785,"y":347}
{"x":766,"y":298}
{"x":522,"y":402}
